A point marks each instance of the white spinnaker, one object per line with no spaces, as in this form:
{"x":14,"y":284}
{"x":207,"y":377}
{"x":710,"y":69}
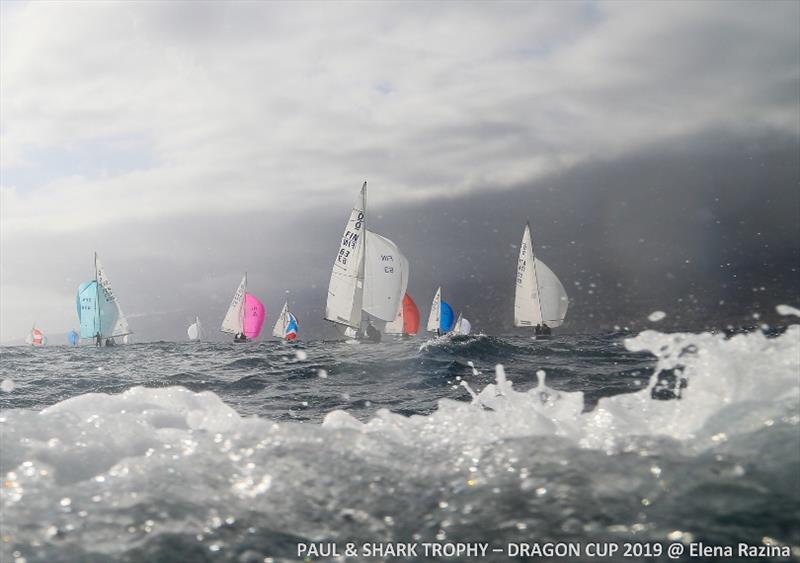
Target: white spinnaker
{"x":112,"y":319}
{"x":195,"y":330}
{"x":552,"y":295}
{"x":385,"y":278}
{"x":527,"y":310}
{"x":283,"y":319}
{"x":346,"y":287}
{"x":465,"y":327}
{"x":233,"y":321}
{"x":433,"y":316}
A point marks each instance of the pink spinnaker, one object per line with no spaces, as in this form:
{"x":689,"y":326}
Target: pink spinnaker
{"x":254,"y":315}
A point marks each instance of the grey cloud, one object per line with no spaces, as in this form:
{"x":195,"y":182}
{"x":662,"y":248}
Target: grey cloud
{"x":677,"y":226}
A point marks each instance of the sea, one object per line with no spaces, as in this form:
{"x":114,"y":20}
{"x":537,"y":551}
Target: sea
{"x":584,"y":447}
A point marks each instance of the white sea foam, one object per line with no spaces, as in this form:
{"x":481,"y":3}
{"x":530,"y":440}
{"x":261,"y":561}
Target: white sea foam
{"x":155,"y":463}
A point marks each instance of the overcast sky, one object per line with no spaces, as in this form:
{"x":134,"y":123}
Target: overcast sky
{"x":189,"y":142}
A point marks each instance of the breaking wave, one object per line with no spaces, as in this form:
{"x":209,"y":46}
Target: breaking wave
{"x":170,"y":474}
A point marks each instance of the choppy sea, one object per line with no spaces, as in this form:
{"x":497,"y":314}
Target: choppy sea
{"x":198,"y":452}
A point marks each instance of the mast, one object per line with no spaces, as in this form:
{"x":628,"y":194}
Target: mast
{"x":362,"y":265}
{"x":241,"y":309}
{"x":97,"y":297}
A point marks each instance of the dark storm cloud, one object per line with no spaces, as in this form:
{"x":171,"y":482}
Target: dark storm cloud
{"x":704,"y":228}
{"x":241,"y":132}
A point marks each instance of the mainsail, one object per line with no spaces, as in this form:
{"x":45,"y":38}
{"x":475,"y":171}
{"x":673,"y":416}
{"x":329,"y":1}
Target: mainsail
{"x":346,"y":287}
{"x":441,"y":315}
{"x":433,"y":316}
{"x":540,"y":296}
{"x":99,"y":311}
{"x":233,"y":322}
{"x":112,"y":320}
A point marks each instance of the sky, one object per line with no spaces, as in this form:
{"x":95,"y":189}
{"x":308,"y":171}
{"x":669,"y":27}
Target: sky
{"x":187,"y":143}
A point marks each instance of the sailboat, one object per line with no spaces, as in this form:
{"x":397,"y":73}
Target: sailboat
{"x":440,"y":319}
{"x":286,"y":325}
{"x":462,"y":326}
{"x":195,"y":330}
{"x":407,"y":321}
{"x":368,"y":278}
{"x":36,"y":337}
{"x":100,"y":315}
{"x":72,"y":337}
{"x":540,"y":297}
{"x":245,"y":316}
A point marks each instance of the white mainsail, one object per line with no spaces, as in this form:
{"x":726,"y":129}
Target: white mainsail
{"x":540,"y":296}
{"x":279,"y":329}
{"x":433,"y":316}
{"x":385,"y":278}
{"x":112,"y":320}
{"x":195,"y":330}
{"x":346,"y":287}
{"x":457,"y":325}
{"x":233,"y":323}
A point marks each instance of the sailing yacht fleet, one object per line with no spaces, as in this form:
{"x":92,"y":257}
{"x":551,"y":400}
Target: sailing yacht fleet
{"x":366,"y":299}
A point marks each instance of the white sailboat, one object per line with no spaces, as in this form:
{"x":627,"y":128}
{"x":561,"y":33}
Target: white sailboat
{"x":462,"y":326}
{"x":195,"y":330}
{"x":540,"y":297}
{"x":99,"y":312}
{"x":368,"y":279}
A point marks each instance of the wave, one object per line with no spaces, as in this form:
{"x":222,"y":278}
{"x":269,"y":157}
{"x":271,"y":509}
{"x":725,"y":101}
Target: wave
{"x":152,"y":473}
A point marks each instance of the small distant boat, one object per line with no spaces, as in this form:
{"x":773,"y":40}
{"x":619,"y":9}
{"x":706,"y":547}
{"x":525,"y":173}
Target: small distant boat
{"x":286,"y":325}
{"x":407,"y":321}
{"x":245,"y":316}
{"x":100,"y":315}
{"x":462,"y":326}
{"x":368,"y":278}
{"x":73,"y":337}
{"x":540,"y":299}
{"x":440,"y":319}
{"x":36,"y":337}
{"x":195,"y":330}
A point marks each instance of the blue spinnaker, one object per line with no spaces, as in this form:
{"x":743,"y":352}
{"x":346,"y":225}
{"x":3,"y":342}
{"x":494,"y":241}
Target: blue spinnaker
{"x":72,"y":337}
{"x":88,"y":313}
{"x":445,"y":317}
